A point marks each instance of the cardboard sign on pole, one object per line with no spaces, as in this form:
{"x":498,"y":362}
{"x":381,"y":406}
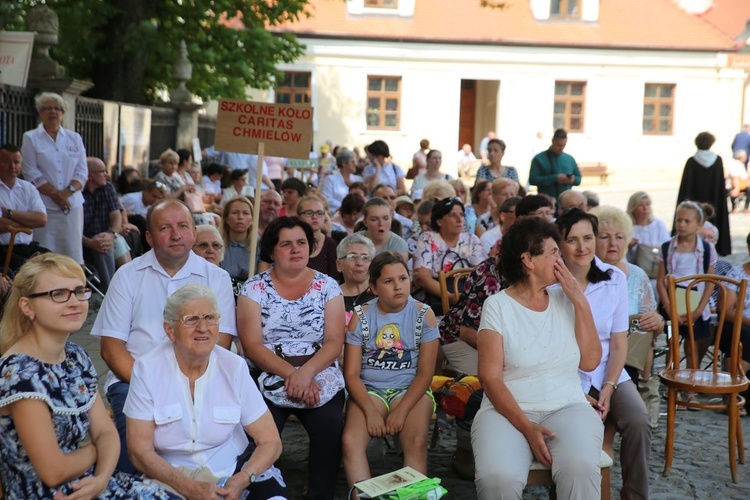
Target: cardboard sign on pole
{"x":264,"y":129}
{"x":284,"y":129}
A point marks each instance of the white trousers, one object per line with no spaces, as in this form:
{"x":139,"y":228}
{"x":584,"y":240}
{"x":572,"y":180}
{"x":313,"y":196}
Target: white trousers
{"x":502,"y":454}
{"x":63,"y":234}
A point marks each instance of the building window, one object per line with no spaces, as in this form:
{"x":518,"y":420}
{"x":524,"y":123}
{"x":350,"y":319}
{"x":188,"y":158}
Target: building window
{"x":658,"y":108}
{"x":383,"y":102}
{"x":570,"y":100}
{"x":565,"y":9}
{"x":381,"y":4}
{"x":294,"y":88}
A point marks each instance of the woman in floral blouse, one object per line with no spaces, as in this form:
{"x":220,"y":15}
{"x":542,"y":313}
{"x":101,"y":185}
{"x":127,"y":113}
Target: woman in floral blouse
{"x":444,"y":248}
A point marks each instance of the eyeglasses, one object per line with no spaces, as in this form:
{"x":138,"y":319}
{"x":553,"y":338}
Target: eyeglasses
{"x":192,"y":320}
{"x":98,"y":172}
{"x":355,"y":257}
{"x":52,"y":108}
{"x":205,"y":245}
{"x":62,"y":295}
{"x":542,"y":213}
{"x":313,"y":213}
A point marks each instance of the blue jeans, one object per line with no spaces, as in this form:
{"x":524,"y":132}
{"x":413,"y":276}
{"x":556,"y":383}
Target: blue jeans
{"x":116,"y":394}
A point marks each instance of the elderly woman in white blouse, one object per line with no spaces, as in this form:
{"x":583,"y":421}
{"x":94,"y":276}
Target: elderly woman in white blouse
{"x":647,"y":229}
{"x":336,"y":186}
{"x":54,"y":161}
{"x":192,"y":406}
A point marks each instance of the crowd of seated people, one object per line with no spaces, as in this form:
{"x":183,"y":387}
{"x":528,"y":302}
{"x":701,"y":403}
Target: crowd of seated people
{"x":204,"y":344}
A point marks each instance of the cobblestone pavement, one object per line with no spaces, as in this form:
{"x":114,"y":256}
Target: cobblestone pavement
{"x":700,"y":468}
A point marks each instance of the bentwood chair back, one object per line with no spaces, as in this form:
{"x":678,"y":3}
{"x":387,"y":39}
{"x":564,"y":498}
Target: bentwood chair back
{"x":450,"y":294}
{"x":727,"y":383}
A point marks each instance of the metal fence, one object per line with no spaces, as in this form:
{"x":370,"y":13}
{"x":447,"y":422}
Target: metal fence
{"x":206,"y":130}
{"x":17,"y":113}
{"x":90,"y":124}
{"x":163,"y":131}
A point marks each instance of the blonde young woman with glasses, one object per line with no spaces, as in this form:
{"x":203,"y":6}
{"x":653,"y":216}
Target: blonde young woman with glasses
{"x":56,"y":438}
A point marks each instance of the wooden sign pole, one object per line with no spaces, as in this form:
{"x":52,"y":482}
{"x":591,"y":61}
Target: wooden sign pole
{"x":256,"y":210}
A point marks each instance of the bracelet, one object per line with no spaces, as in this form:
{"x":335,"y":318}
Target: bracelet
{"x":614,"y":385}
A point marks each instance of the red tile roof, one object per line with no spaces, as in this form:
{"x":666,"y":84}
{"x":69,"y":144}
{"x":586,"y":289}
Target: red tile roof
{"x":642,"y":24}
{"x":729,"y":16}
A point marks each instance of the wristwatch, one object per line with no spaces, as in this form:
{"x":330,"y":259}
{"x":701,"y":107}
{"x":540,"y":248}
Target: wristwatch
{"x":613,"y":384}
{"x":7,"y":213}
{"x":251,"y":475}
{"x":72,"y":189}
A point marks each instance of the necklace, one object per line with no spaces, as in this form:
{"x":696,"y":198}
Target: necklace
{"x":355,"y":300}
{"x":525,"y":302}
{"x":39,"y":357}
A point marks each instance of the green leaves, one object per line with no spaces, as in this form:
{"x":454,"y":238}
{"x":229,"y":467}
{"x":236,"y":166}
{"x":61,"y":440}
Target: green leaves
{"x":127,"y":47}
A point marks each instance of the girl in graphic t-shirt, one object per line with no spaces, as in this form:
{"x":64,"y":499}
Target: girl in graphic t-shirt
{"x":389,"y":359}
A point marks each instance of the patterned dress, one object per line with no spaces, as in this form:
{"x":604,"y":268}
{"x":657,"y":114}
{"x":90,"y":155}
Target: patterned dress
{"x":483,"y":282}
{"x":69,"y":389}
{"x":295,"y":325}
{"x":484,"y":173}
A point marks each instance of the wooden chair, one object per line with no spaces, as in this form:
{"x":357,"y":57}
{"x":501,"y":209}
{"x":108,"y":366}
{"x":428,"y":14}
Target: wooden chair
{"x":9,"y":252}
{"x":446,"y":294}
{"x":707,"y":381}
{"x":542,"y":475}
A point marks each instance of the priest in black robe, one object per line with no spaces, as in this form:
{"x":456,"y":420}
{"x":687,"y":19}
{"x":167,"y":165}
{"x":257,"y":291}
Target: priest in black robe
{"x":703,"y":181}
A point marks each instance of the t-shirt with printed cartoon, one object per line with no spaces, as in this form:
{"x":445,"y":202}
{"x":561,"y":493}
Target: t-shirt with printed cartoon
{"x":391,"y":357}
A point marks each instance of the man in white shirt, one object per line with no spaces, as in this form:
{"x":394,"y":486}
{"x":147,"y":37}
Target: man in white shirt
{"x":270,"y":205}
{"x":130,"y":320}
{"x":20,"y":206}
{"x":569,"y":199}
{"x":507,"y":218}
{"x":465,"y":158}
{"x":139,"y":202}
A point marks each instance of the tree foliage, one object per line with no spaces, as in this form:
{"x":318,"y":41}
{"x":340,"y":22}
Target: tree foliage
{"x":127,"y":47}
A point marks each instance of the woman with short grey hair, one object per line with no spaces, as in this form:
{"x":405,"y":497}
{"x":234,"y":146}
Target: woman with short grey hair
{"x":209,"y":244}
{"x":192,"y":379}
{"x":336,"y":186}
{"x":354,"y":254}
{"x":54,"y":161}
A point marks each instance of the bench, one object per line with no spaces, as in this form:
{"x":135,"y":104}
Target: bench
{"x":595,"y":169}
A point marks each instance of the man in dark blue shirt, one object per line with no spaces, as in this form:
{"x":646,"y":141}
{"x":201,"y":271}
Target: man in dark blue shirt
{"x":102,"y":221}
